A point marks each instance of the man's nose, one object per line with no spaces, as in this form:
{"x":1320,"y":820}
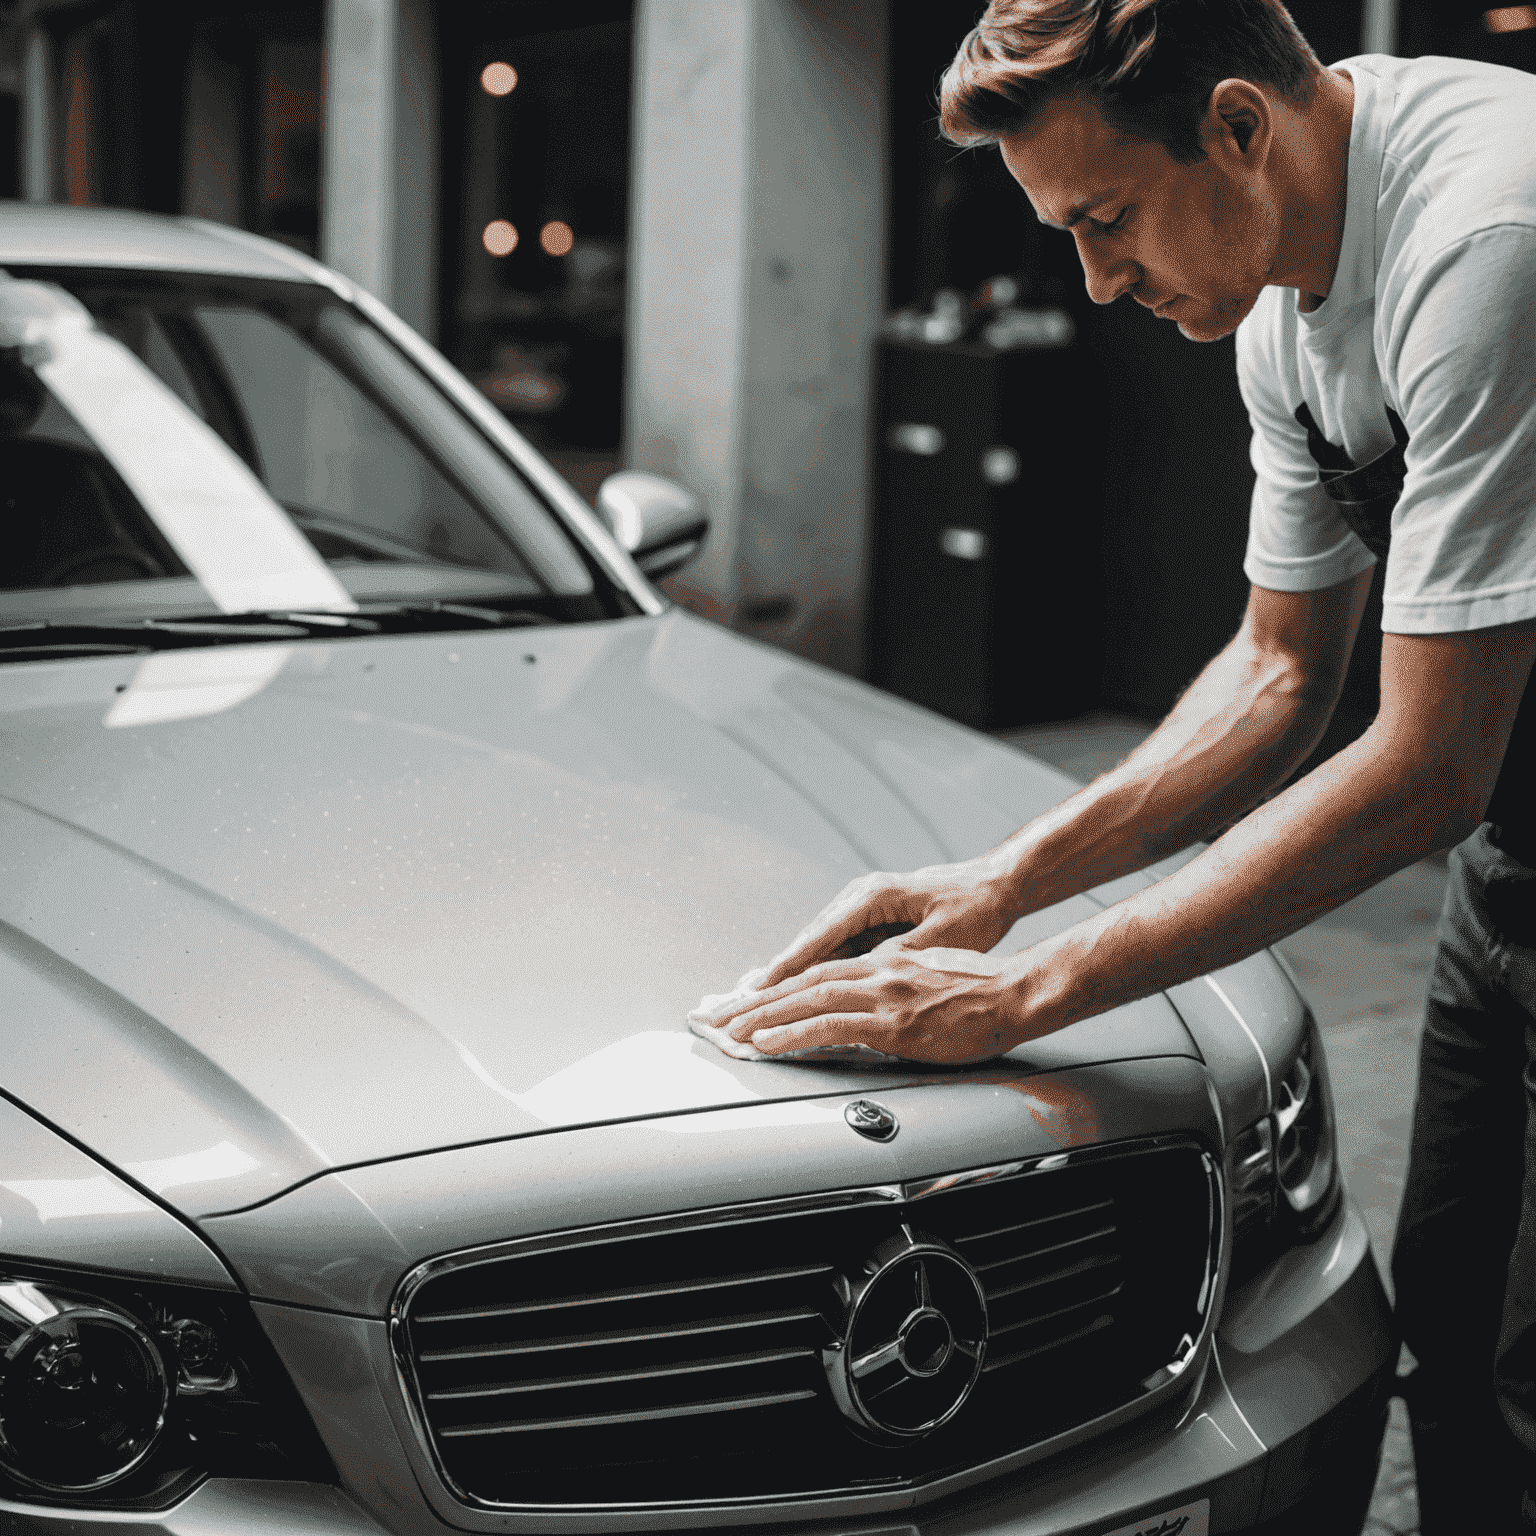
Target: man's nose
{"x":1107,"y":280}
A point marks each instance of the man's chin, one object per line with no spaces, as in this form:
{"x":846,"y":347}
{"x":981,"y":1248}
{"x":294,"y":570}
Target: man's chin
{"x":1195,"y":331}
{"x":1213,"y":322}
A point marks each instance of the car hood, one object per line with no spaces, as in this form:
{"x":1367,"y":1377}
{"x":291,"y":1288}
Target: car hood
{"x":269,"y":910}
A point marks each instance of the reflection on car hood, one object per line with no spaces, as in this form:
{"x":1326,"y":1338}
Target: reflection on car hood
{"x":265,"y":911}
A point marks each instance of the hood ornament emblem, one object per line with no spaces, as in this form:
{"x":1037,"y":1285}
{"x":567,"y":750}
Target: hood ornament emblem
{"x":871,"y":1119}
{"x":911,"y":1337}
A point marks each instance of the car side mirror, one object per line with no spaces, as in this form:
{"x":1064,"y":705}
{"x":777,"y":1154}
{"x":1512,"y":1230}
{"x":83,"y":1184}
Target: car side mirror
{"x":660,"y":523}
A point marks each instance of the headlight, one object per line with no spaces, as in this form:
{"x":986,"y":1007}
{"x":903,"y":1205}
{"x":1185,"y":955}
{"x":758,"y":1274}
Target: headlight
{"x":1306,"y":1153}
{"x":121,"y":1394}
{"x":1283,"y":1169}
{"x":83,"y":1390}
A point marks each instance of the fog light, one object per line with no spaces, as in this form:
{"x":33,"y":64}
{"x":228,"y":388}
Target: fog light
{"x":83,"y":1390}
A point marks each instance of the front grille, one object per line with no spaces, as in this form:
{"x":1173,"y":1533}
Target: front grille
{"x":682,"y":1362}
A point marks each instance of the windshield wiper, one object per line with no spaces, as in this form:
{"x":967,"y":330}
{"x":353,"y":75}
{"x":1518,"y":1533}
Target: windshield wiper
{"x":51,"y":650}
{"x":50,"y":637}
{"x":397,"y":618}
{"x":494,"y":618}
{"x":53,"y":637}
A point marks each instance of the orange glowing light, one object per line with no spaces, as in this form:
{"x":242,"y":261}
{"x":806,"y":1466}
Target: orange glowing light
{"x":498,"y":79}
{"x":557,"y":237}
{"x":1510,"y":18}
{"x":499,"y":238}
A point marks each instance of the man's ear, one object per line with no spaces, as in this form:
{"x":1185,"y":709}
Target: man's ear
{"x":1239,"y":124}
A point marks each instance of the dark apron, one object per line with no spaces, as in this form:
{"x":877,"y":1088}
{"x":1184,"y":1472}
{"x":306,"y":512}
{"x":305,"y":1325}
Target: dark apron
{"x":1366,"y":495}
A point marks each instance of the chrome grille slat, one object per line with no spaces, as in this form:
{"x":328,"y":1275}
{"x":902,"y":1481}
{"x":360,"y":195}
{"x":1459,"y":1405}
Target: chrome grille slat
{"x":608,"y":1420}
{"x":707,"y":1333}
{"x":1038,"y":1221}
{"x":1069,"y":1272}
{"x":619,"y":1336}
{"x":1035,"y":1253}
{"x":606,"y":1378}
{"x":1014,"y":1357}
{"x":638,"y":1293}
{"x":1046,"y":1317}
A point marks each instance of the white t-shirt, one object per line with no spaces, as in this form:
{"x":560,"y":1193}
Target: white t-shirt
{"x":1432,"y":312}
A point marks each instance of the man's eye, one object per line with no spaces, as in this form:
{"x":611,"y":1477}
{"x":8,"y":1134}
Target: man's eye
{"x":1114,"y":225}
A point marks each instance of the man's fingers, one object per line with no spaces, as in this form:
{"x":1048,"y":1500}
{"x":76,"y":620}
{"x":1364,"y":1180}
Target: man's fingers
{"x":738,"y":1004}
{"x":829,"y":995}
{"x":931,"y":931}
{"x":826,"y":1029}
{"x":815,"y":945}
{"x":799,"y":958}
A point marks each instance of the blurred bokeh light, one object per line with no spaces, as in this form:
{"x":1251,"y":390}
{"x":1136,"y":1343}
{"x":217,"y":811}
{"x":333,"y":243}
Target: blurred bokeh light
{"x":557,"y":238}
{"x":498,"y":79}
{"x":1510,"y":18}
{"x":499,"y":238}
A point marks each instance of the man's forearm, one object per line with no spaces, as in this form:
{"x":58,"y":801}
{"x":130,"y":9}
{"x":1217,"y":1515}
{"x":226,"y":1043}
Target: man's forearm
{"x":1348,"y":824}
{"x":1242,"y":727}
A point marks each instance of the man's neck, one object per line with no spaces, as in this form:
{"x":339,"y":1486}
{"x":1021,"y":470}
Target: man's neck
{"x":1313,"y":174}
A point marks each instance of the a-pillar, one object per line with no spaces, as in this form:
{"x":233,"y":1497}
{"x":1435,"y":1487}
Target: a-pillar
{"x":379,"y":214}
{"x":756,"y":283}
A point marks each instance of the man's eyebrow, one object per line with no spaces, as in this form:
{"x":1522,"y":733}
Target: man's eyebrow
{"x":1078,"y":211}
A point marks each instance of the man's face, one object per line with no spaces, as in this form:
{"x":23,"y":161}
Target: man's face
{"x":1195,"y":243}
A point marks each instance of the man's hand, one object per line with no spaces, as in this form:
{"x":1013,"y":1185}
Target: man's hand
{"x":940,"y":1005}
{"x":961,"y":906}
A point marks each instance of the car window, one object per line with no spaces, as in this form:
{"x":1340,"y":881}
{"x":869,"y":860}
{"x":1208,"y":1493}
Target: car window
{"x":66,"y":518}
{"x":478,"y":465}
{"x":138,"y":330}
{"x":395,"y":490}
{"x":357,"y":486}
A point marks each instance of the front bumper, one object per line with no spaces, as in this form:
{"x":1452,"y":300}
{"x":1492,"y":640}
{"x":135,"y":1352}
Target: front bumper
{"x":1288,"y":1418}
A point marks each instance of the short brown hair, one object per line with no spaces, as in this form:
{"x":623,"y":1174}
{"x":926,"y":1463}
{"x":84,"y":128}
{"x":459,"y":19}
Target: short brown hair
{"x":1150,"y":65}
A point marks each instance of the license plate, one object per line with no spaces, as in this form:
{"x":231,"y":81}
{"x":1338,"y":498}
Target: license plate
{"x":1187,"y":1520}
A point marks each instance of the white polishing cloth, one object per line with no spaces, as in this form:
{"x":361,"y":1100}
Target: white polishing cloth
{"x":744,"y":1050}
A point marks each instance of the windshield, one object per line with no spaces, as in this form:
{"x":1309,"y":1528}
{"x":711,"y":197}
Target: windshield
{"x":397,"y":493}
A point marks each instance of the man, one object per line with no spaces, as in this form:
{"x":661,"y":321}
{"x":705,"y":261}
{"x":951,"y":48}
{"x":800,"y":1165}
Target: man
{"x":1371,"y":228}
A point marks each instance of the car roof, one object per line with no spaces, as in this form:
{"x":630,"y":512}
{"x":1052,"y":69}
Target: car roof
{"x":55,"y":235}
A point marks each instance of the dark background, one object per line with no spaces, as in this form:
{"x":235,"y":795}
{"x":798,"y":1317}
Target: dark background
{"x":558,"y":147}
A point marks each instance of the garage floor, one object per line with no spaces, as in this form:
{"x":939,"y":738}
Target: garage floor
{"x":1365,"y":967}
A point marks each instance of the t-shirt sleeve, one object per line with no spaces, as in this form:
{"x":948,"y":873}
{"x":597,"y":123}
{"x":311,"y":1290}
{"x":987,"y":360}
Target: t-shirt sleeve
{"x":1297,"y":541}
{"x":1461,"y":351}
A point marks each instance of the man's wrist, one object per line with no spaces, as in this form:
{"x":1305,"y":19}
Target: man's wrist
{"x":1057,"y":982}
{"x":1024,"y":1009}
{"x":1008,"y":878}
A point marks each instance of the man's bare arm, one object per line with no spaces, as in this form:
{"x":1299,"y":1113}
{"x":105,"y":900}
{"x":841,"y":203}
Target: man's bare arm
{"x":1420,"y":778}
{"x":1244,"y":725}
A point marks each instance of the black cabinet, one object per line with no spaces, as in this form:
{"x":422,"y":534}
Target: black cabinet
{"x":986,"y":590}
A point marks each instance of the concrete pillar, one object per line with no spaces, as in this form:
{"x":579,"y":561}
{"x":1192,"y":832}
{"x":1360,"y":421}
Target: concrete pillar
{"x":39,"y":120}
{"x":213,"y":171}
{"x":756,"y":282}
{"x":378,"y":221}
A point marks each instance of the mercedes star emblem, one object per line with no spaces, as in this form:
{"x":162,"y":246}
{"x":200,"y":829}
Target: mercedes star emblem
{"x":912,"y":1335}
{"x":871,"y":1119}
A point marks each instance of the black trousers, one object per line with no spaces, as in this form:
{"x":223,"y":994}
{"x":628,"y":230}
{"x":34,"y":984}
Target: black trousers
{"x":1464,"y":1264}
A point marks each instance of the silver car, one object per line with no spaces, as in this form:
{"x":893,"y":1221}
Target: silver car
{"x":368,"y":826}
